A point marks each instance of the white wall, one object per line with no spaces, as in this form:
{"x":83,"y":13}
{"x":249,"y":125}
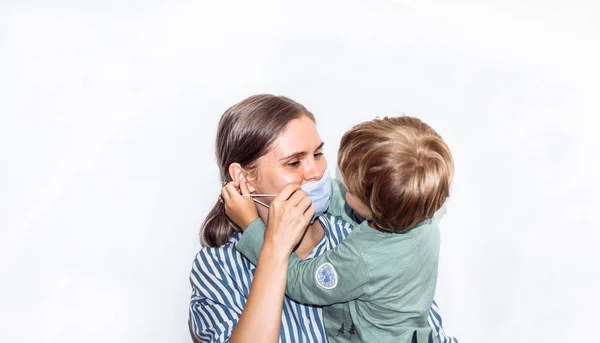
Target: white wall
{"x":108,"y":114}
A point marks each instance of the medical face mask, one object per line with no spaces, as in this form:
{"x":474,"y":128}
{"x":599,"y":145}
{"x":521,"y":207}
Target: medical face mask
{"x":319,"y":192}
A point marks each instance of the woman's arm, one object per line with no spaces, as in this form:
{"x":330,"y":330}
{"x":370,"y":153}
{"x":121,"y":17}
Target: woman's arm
{"x":289,"y":215}
{"x":220,"y":311}
{"x":261,"y":319}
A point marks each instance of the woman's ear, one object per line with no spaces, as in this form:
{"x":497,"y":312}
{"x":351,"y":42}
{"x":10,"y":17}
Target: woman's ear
{"x":238,"y":174}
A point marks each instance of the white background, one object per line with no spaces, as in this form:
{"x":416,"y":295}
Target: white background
{"x":108,"y":115}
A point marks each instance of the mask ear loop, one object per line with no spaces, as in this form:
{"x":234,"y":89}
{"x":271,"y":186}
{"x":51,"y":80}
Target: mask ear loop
{"x":260,"y":202}
{"x":259,"y":195}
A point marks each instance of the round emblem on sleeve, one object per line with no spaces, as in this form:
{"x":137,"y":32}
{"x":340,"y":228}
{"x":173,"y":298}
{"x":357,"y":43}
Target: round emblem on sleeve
{"x":326,"y":276}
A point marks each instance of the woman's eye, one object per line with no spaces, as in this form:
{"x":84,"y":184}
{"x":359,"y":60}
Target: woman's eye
{"x":318,"y":154}
{"x":294,"y":164}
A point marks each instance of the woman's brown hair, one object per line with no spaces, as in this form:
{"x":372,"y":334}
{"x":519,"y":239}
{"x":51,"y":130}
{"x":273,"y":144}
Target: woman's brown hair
{"x":246,"y":132}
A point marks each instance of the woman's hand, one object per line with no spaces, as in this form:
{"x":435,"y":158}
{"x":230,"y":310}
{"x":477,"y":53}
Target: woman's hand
{"x":241,"y":210}
{"x":289,"y":215}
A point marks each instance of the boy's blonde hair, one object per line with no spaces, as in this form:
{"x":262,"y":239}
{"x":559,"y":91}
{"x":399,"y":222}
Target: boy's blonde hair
{"x":399,"y":167}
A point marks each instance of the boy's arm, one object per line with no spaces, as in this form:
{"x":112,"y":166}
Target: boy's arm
{"x":337,"y":201}
{"x":251,"y":240}
{"x":339,"y":275}
{"x":338,"y":206}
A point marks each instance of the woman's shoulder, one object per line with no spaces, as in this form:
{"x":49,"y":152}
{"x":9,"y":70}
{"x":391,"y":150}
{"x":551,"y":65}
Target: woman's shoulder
{"x":224,"y":266}
{"x":220,"y":257}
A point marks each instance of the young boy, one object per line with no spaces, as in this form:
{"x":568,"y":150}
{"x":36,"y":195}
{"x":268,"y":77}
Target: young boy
{"x":378,"y":284}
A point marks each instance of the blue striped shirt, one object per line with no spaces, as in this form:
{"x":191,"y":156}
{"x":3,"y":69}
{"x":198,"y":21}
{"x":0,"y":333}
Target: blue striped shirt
{"x":221,"y":279}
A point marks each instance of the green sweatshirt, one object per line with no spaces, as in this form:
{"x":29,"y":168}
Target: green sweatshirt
{"x":376,"y":286}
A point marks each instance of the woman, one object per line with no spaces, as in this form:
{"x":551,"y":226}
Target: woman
{"x":265,"y":142}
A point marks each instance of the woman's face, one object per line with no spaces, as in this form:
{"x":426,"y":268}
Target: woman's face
{"x":296,"y":157}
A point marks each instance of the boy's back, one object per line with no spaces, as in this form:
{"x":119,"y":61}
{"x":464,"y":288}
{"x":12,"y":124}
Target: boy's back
{"x":397,"y":174}
{"x":401,"y":269}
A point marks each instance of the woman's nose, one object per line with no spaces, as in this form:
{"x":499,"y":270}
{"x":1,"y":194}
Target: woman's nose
{"x":313,"y":170}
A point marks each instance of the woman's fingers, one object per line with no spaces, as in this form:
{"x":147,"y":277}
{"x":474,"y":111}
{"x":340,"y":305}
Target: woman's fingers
{"x":289,"y":215}
{"x":307,"y":209}
{"x":285,"y":193}
{"x":305,"y":204}
{"x":310,"y":212}
{"x":292,"y":198}
{"x":297,"y":197}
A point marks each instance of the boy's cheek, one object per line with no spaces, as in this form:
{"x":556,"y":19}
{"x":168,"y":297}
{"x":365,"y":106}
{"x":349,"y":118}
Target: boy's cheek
{"x":358,"y":206}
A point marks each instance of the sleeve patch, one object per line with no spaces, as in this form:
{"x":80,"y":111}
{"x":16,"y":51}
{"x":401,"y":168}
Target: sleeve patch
{"x":326,"y":276}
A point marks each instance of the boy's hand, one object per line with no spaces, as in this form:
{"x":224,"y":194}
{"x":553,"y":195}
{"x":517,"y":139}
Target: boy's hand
{"x":241,"y":210}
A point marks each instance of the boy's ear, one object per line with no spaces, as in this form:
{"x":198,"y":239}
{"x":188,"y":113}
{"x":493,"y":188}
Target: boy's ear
{"x":238,"y":174}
